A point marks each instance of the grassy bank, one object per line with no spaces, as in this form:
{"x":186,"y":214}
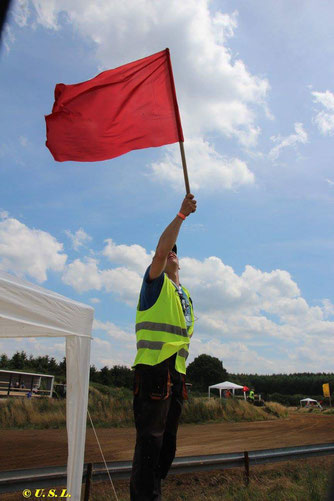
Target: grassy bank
{"x":306,"y":480}
{"x":113,"y":408}
{"x":292,"y":481}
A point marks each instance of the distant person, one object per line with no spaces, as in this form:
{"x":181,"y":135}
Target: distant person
{"x":29,"y":394}
{"x":164,"y":326}
{"x":17,"y":384}
{"x":23,"y":385}
{"x":252,"y":396}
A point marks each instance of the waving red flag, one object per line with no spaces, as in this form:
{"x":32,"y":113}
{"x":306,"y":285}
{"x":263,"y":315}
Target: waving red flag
{"x":128,"y":108}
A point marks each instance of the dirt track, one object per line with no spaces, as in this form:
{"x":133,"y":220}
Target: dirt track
{"x":38,"y":448}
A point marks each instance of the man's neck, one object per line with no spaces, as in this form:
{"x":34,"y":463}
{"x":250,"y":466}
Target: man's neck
{"x":174,"y":276}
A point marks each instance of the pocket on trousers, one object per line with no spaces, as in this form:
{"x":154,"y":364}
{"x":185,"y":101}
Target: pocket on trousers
{"x":160,"y":384}
{"x":153,"y":382}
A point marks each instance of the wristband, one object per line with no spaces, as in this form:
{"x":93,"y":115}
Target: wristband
{"x":182,"y":216}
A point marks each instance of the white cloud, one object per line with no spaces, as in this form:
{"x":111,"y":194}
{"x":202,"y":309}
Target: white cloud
{"x":244,"y":357}
{"x":95,"y":300}
{"x":258,"y":310}
{"x":120,"y":350}
{"x":221,"y":289}
{"x":208,"y":170}
{"x":54,"y":347}
{"x":324,"y":98}
{"x":27,"y":251}
{"x":113,"y":331}
{"x":8,"y":37}
{"x":300,"y":136}
{"x":324,"y":119}
{"x":236,"y":356}
{"x":215,"y":91}
{"x":104,"y":353}
{"x":79,"y":238}
{"x":328,"y":307}
{"x":86,"y":276}
{"x":21,"y":12}
{"x":134,"y":257}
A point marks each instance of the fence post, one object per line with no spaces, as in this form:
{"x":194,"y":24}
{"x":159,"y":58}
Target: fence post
{"x":88,"y":481}
{"x":246,"y":468}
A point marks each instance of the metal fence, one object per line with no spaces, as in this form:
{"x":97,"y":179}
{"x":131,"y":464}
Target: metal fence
{"x":13,"y":481}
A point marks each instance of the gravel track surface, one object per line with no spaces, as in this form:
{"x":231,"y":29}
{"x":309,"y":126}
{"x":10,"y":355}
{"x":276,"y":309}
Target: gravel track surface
{"x":39,"y":448}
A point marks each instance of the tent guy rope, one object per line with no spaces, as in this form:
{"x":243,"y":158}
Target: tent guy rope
{"x":103,"y":458}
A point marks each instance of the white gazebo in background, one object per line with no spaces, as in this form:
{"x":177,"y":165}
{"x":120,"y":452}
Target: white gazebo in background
{"x":27,"y":310}
{"x":309,"y":402}
{"x":226,"y":385}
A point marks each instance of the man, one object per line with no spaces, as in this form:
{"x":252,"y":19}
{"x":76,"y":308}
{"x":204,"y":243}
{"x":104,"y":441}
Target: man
{"x":252,"y":396}
{"x":164,"y":325}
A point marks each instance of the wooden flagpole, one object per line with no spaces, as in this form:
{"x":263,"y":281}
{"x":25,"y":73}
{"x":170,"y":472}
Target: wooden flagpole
{"x":184,"y":165}
{"x":179,"y":127}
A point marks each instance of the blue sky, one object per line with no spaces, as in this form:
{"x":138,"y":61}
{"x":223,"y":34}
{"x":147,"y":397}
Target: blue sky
{"x":255,"y":88}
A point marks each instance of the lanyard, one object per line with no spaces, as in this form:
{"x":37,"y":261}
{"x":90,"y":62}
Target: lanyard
{"x":185,"y":303}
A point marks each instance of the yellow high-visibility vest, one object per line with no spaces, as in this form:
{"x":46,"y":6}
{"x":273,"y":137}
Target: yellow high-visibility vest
{"x":161,"y":330}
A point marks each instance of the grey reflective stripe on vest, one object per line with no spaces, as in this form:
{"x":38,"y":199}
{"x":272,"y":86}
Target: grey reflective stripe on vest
{"x":183,"y":353}
{"x":152,"y":345}
{"x":157,"y":345}
{"x":156,"y":326}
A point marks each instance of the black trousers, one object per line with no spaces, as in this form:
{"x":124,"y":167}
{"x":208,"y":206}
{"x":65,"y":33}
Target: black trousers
{"x":159,"y":392}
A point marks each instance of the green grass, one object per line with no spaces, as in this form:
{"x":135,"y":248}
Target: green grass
{"x":300,"y":480}
{"x":112,"y":407}
{"x":293,"y":481}
{"x":203,"y":409}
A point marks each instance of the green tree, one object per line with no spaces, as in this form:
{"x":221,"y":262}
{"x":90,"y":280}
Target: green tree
{"x":18,"y":361}
{"x":4,"y":361}
{"x":105,"y":376}
{"x":121,"y":376}
{"x":93,"y":374}
{"x":61,"y":371}
{"x":205,"y":371}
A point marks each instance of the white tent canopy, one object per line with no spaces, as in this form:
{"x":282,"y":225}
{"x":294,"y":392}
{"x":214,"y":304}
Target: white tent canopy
{"x":226,"y":385}
{"x":308,"y":401}
{"x":27,"y":310}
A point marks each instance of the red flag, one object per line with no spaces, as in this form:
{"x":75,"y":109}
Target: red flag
{"x":128,"y":108}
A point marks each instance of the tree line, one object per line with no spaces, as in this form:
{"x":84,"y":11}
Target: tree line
{"x":119,"y":376}
{"x":305,"y":383}
{"x":205,"y":370}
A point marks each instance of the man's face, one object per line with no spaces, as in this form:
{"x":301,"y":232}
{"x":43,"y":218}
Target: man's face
{"x":172,"y":262}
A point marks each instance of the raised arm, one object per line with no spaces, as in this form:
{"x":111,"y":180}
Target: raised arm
{"x":169,"y":237}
